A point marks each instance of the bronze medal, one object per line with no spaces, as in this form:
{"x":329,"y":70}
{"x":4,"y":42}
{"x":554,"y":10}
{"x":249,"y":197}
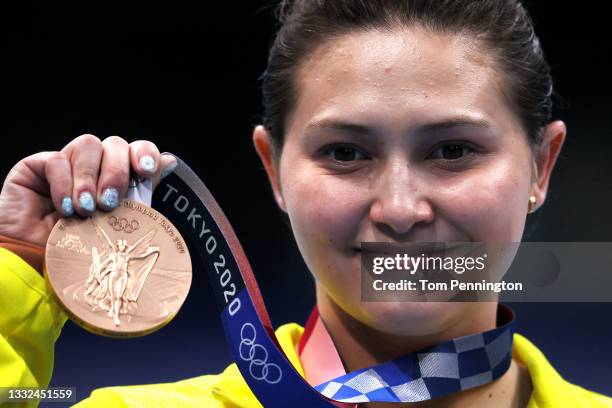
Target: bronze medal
{"x":123,"y":273}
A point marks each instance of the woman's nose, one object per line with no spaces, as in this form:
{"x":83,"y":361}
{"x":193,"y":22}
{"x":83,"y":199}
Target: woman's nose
{"x":399,"y":201}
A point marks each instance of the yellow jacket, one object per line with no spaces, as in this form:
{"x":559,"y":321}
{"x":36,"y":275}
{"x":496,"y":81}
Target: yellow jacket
{"x":30,"y":323}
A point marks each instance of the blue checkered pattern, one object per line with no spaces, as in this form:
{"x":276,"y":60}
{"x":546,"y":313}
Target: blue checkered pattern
{"x":456,"y":365}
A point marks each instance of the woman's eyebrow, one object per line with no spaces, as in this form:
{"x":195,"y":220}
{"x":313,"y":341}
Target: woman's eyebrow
{"x":336,"y":124}
{"x":457,"y":121}
{"x":361,"y":129}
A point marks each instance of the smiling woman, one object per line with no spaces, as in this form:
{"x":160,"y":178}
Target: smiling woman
{"x":407,"y":121}
{"x":373,"y":148}
{"x":385,"y":121}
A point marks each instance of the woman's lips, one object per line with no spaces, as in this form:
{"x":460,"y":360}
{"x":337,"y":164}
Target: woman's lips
{"x":412,"y":249}
{"x":416,"y":248}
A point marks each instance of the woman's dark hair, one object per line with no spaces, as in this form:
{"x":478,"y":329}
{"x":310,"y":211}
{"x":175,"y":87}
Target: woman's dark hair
{"x":502,"y":26}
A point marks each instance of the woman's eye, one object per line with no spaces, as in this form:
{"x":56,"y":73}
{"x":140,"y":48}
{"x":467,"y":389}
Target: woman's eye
{"x":345,"y":154}
{"x":452,"y":151}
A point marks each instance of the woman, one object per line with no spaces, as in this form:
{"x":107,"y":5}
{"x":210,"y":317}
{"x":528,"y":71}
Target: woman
{"x":385,"y":120}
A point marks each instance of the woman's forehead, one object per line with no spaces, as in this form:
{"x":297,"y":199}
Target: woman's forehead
{"x":391,"y":73}
{"x":414,"y":61}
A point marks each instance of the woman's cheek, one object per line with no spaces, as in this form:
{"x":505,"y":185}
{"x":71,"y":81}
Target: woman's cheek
{"x":324,"y":209}
{"x":490,"y":204}
{"x":326,"y":212}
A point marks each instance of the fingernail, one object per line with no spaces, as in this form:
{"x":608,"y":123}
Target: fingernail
{"x":87,"y":202}
{"x":67,"y":206}
{"x":110,"y":197}
{"x":168,"y":169}
{"x":147,"y":163}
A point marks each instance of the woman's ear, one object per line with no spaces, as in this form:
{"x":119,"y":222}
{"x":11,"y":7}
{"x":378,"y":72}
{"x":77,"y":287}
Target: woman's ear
{"x":546,"y":157}
{"x":265,"y":149}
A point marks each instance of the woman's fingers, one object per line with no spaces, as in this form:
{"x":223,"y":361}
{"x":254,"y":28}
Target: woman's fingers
{"x":86,"y":174}
{"x":114,"y":172}
{"x":144,"y":157}
{"x":148,"y":162}
{"x":85,"y":154}
{"x":32,"y":196}
{"x":100,"y":171}
{"x":58,"y":173}
{"x":46,"y":174}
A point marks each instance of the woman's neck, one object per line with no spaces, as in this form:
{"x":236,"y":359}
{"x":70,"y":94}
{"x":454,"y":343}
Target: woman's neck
{"x":361,"y":346}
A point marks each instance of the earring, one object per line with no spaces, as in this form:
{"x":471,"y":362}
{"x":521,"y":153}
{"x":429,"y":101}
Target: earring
{"x":531,"y":206}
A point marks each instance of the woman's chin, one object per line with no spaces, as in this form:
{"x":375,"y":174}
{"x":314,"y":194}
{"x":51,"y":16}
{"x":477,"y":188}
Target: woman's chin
{"x":412,"y":318}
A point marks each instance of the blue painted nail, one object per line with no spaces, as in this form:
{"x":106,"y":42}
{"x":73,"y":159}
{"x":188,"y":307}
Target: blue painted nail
{"x":110,"y":197}
{"x":147,"y":164}
{"x":67,"y":206}
{"x":87,"y":202}
{"x":168,"y":170}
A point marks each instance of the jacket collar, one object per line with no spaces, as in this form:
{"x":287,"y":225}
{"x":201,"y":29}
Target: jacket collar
{"x":549,"y":388}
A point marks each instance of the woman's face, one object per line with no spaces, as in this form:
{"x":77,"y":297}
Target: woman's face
{"x":400,"y":136}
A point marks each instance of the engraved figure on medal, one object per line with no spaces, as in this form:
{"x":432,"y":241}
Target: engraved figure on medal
{"x":117,"y":274}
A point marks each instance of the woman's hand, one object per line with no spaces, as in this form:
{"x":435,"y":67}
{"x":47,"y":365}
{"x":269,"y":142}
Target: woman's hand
{"x":85,"y":175}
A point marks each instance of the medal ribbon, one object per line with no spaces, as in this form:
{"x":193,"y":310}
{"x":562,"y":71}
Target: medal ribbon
{"x":452,"y":366}
{"x":439,"y":370}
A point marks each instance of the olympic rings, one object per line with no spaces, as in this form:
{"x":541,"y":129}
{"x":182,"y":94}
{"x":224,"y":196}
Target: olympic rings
{"x":122,"y":224}
{"x":257,"y":356}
